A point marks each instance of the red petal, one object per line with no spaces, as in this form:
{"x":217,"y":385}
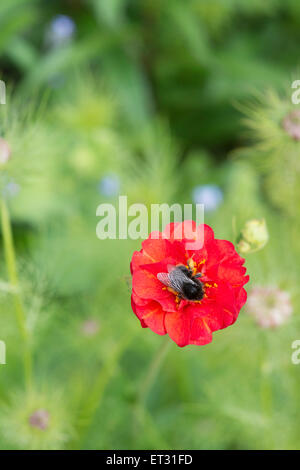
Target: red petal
{"x":224,"y":263}
{"x":178,"y":326}
{"x":197,"y":247}
{"x":133,"y":305}
{"x":186,"y":230}
{"x":200,"y":332}
{"x":227,"y":250}
{"x":157,"y":250}
{"x":170,"y":229}
{"x":134,"y":308}
{"x":137,"y":300}
{"x":138,"y":258}
{"x":223,"y":301}
{"x":241,"y":298}
{"x":232,"y":273}
{"x":153,"y":316}
{"x":147,"y":286}
{"x":209,"y":313}
{"x":209,"y":235}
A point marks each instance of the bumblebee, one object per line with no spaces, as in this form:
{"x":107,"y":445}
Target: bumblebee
{"x":183,"y":281}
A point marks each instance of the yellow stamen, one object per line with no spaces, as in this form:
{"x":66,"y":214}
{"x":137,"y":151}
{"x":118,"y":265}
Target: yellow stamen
{"x":207,"y":284}
{"x":172,"y":291}
{"x":177,"y":301}
{"x":192,"y":265}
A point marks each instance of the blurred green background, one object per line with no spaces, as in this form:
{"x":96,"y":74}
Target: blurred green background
{"x":163,"y":101}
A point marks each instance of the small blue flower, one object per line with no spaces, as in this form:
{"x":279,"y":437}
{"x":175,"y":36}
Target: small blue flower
{"x":109,"y":185}
{"x":62,"y":29}
{"x":11,"y":189}
{"x":208,"y":194}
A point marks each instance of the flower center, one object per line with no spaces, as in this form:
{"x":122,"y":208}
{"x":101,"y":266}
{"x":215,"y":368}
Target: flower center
{"x":194,"y":291}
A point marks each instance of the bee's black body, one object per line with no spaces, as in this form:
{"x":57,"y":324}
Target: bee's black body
{"x":181,"y":280}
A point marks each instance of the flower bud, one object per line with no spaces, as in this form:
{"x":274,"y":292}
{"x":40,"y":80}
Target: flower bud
{"x":243,"y":247}
{"x":5,"y":151}
{"x":254,"y":236}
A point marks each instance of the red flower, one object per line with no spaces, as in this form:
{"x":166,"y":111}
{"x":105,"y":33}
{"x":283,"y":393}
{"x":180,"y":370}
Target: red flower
{"x":216,"y":267}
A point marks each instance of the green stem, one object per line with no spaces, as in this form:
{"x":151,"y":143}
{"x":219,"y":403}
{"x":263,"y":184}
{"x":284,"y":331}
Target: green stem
{"x":266,"y":387}
{"x":10,"y":259}
{"x":266,"y":392}
{"x":153,"y":370}
{"x":95,"y":396}
{"x":141,"y":415}
{"x":234,"y":228}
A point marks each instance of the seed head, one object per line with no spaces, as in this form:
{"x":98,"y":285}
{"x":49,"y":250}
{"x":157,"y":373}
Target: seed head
{"x":40,"y":419}
{"x":90,"y":327}
{"x":269,"y":306}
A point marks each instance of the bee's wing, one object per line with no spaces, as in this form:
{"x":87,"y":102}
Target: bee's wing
{"x":164,"y":278}
{"x":178,"y":279}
